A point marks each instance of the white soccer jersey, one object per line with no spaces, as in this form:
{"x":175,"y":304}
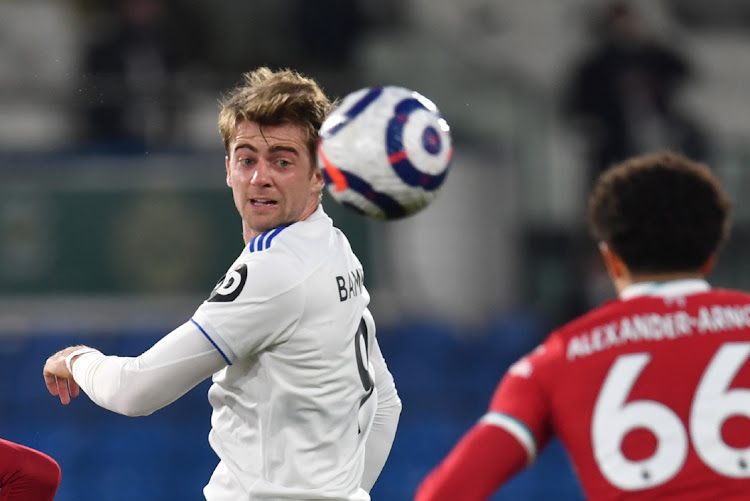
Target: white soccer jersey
{"x":292,"y":411}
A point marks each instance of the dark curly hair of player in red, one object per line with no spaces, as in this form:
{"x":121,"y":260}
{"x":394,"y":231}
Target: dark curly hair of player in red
{"x":660,"y":213}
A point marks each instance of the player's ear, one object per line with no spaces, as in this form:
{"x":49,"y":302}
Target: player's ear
{"x":229,"y":177}
{"x":317,"y":175}
{"x":708,"y":265}
{"x":615,"y":265}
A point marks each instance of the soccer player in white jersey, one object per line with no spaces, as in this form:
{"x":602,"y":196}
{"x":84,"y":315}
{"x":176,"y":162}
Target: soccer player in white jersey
{"x":304,"y":406}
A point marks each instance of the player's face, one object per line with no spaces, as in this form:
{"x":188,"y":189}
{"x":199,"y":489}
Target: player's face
{"x":270,"y":172}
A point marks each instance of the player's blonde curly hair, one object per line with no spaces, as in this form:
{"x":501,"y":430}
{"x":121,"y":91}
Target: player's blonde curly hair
{"x":274,"y":98}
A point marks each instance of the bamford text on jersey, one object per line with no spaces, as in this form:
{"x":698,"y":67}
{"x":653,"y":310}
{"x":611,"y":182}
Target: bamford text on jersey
{"x":350,"y":286}
{"x":655,"y":327}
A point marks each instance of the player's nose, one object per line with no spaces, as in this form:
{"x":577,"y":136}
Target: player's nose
{"x":261,"y":174}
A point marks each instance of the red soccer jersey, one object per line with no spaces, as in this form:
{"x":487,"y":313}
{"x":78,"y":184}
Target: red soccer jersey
{"x":26,"y":474}
{"x":650,"y":394}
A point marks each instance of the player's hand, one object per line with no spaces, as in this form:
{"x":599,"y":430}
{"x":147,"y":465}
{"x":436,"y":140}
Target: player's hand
{"x":58,"y":378}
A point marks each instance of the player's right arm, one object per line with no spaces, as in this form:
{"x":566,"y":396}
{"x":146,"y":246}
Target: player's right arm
{"x":136,"y":386}
{"x":26,"y":474}
{"x":485,"y":458}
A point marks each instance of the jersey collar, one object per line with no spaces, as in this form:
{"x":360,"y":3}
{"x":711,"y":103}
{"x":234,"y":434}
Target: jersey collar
{"x":318,"y":213}
{"x":682,"y":287}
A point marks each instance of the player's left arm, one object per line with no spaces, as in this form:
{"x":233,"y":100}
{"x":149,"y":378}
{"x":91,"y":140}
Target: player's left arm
{"x":136,"y":386}
{"x":385,"y":422}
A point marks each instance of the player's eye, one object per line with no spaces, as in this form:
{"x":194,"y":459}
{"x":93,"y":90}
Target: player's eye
{"x":284,"y":163}
{"x":246,"y":161}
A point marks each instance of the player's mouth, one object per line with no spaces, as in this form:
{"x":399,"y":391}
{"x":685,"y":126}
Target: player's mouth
{"x":263,"y":202}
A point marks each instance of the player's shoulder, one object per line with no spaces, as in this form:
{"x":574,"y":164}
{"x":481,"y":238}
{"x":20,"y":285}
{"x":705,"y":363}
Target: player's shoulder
{"x":260,"y":246}
{"x":595,"y":316}
{"x":270,"y":252}
{"x":264,"y":269}
{"x":553,"y":347}
{"x":718,"y":294}
{"x":292,"y":252}
{"x":297,"y":243}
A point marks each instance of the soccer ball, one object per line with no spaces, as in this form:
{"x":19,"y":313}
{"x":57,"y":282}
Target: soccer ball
{"x":385,"y":152}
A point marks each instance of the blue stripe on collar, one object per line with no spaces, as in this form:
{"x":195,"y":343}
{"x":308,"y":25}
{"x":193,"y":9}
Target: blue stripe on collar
{"x":263,"y":241}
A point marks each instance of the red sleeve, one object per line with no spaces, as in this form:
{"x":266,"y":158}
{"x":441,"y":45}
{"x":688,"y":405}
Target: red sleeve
{"x":26,"y":474}
{"x":523,"y":396}
{"x":515,"y":429}
{"x":477,"y":466}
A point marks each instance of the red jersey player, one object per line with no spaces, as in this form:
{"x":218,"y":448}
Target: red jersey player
{"x":26,"y":474}
{"x":649,"y":393}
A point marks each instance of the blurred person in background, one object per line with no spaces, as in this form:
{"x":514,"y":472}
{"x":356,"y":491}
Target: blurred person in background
{"x":26,"y":474}
{"x":304,"y":406}
{"x":129,"y":93}
{"x":623,"y":94}
{"x":649,"y":393}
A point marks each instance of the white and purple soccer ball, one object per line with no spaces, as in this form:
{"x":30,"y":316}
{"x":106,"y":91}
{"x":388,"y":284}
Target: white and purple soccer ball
{"x":385,"y":152}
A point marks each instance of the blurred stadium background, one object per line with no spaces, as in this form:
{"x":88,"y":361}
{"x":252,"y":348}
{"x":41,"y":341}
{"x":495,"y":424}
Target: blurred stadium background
{"x":115,"y":221}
